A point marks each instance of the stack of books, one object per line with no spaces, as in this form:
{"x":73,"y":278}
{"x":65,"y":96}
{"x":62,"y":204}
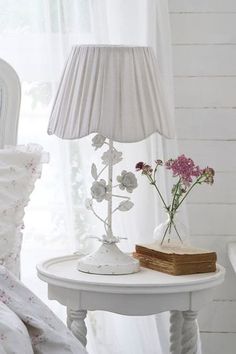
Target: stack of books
{"x":175,"y":260}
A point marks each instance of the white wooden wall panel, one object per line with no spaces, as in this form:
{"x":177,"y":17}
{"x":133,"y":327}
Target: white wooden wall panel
{"x":219,"y":244}
{"x":203,"y":28}
{"x":218,"y":343}
{"x":205,"y":92}
{"x":202,"y":5}
{"x":218,"y":317}
{"x":212,"y":219}
{"x":218,"y":154}
{"x":206,"y":124}
{"x":223,"y":191}
{"x":200,"y":60}
{"x":227,"y":291}
{"x":204,"y":53}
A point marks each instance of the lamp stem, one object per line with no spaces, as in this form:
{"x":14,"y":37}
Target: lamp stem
{"x":110,"y":173}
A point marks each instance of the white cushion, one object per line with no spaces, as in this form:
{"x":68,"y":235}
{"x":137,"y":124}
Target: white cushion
{"x":19,"y":168}
{"x":48,"y":334}
{"x":14,"y":337}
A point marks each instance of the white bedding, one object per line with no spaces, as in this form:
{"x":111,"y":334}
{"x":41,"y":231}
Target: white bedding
{"x":27,"y":325}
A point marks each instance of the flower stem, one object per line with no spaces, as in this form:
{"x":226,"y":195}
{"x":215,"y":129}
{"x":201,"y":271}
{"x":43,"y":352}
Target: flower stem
{"x":120,"y":196}
{"x":97,"y":216}
{"x":109,"y":206}
{"x":177,"y":231}
{"x":158,"y":191}
{"x":193,"y":185}
{"x":103,"y":169}
{"x":165,"y":233}
{"x":173,"y":201}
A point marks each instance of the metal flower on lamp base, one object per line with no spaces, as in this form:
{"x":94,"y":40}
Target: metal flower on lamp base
{"x":108,"y":258}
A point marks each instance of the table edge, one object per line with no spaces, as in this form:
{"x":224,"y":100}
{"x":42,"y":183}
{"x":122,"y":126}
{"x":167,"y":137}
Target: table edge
{"x":216,"y":279}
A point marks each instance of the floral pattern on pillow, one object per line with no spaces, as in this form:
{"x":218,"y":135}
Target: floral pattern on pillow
{"x":20,"y":167}
{"x":14,"y":337}
{"x":47,"y":333}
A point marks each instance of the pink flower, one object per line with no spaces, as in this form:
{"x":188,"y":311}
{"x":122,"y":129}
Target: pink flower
{"x":184,"y":168}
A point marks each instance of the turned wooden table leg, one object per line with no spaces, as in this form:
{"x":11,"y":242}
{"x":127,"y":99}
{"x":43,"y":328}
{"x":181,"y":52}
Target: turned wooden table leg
{"x":176,"y":324}
{"x":68,"y":319}
{"x":189,"y":333}
{"x":76,"y":322}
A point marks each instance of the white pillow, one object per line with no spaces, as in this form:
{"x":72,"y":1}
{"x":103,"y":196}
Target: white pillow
{"x":14,"y":337}
{"x":47,"y":333}
{"x":20,"y":166}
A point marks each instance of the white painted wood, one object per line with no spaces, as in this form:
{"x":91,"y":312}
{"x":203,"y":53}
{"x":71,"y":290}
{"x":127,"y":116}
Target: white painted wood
{"x":204,"y":60}
{"x":10,"y":96}
{"x":206,"y":124}
{"x":217,"y":317}
{"x":203,"y":28}
{"x":176,"y":323}
{"x":217,"y":154}
{"x":216,"y":219}
{"x":205,"y":92}
{"x":223,"y":190}
{"x":227,"y":291}
{"x":219,"y":244}
{"x":189,"y":333}
{"x":232,"y":254}
{"x":218,"y":343}
{"x":62,"y":270}
{"x":144,"y":293}
{"x":204,"y":65}
{"x":76,"y":319}
{"x":202,"y":5}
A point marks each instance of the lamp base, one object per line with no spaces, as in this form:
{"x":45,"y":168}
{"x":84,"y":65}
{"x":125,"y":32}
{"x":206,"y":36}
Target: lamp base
{"x":108,"y":259}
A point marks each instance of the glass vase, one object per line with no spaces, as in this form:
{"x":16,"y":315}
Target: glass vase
{"x":171,"y":233}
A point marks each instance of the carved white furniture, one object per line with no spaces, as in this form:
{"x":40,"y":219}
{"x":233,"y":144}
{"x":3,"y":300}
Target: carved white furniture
{"x":145,"y":293}
{"x":10,"y":97}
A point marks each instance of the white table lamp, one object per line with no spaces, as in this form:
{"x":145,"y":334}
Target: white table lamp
{"x":114,"y":91}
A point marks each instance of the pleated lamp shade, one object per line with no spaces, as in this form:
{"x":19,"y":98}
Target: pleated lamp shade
{"x":112,"y":90}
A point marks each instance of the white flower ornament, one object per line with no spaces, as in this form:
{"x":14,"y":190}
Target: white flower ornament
{"x":99,"y":190}
{"x":103,"y":190}
{"x":116,"y":157}
{"x":127,"y":181}
{"x":98,"y":141}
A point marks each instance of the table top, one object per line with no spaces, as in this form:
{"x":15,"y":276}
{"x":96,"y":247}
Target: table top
{"x":62,"y":272}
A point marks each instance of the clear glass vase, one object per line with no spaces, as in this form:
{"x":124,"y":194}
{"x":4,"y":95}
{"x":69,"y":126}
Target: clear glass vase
{"x":171,"y":233}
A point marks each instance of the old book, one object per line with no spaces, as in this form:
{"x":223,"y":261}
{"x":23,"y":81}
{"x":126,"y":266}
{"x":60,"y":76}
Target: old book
{"x":176,"y":260}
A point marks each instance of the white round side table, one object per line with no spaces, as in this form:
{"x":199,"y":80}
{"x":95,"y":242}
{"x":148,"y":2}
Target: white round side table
{"x":147,"y":292}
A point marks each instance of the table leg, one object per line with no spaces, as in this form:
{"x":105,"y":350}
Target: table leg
{"x":189,"y":333}
{"x":76,"y":322}
{"x":176,"y":324}
{"x":68,"y":319}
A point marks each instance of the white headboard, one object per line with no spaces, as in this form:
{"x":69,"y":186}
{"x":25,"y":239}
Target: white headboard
{"x":10,"y":96}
